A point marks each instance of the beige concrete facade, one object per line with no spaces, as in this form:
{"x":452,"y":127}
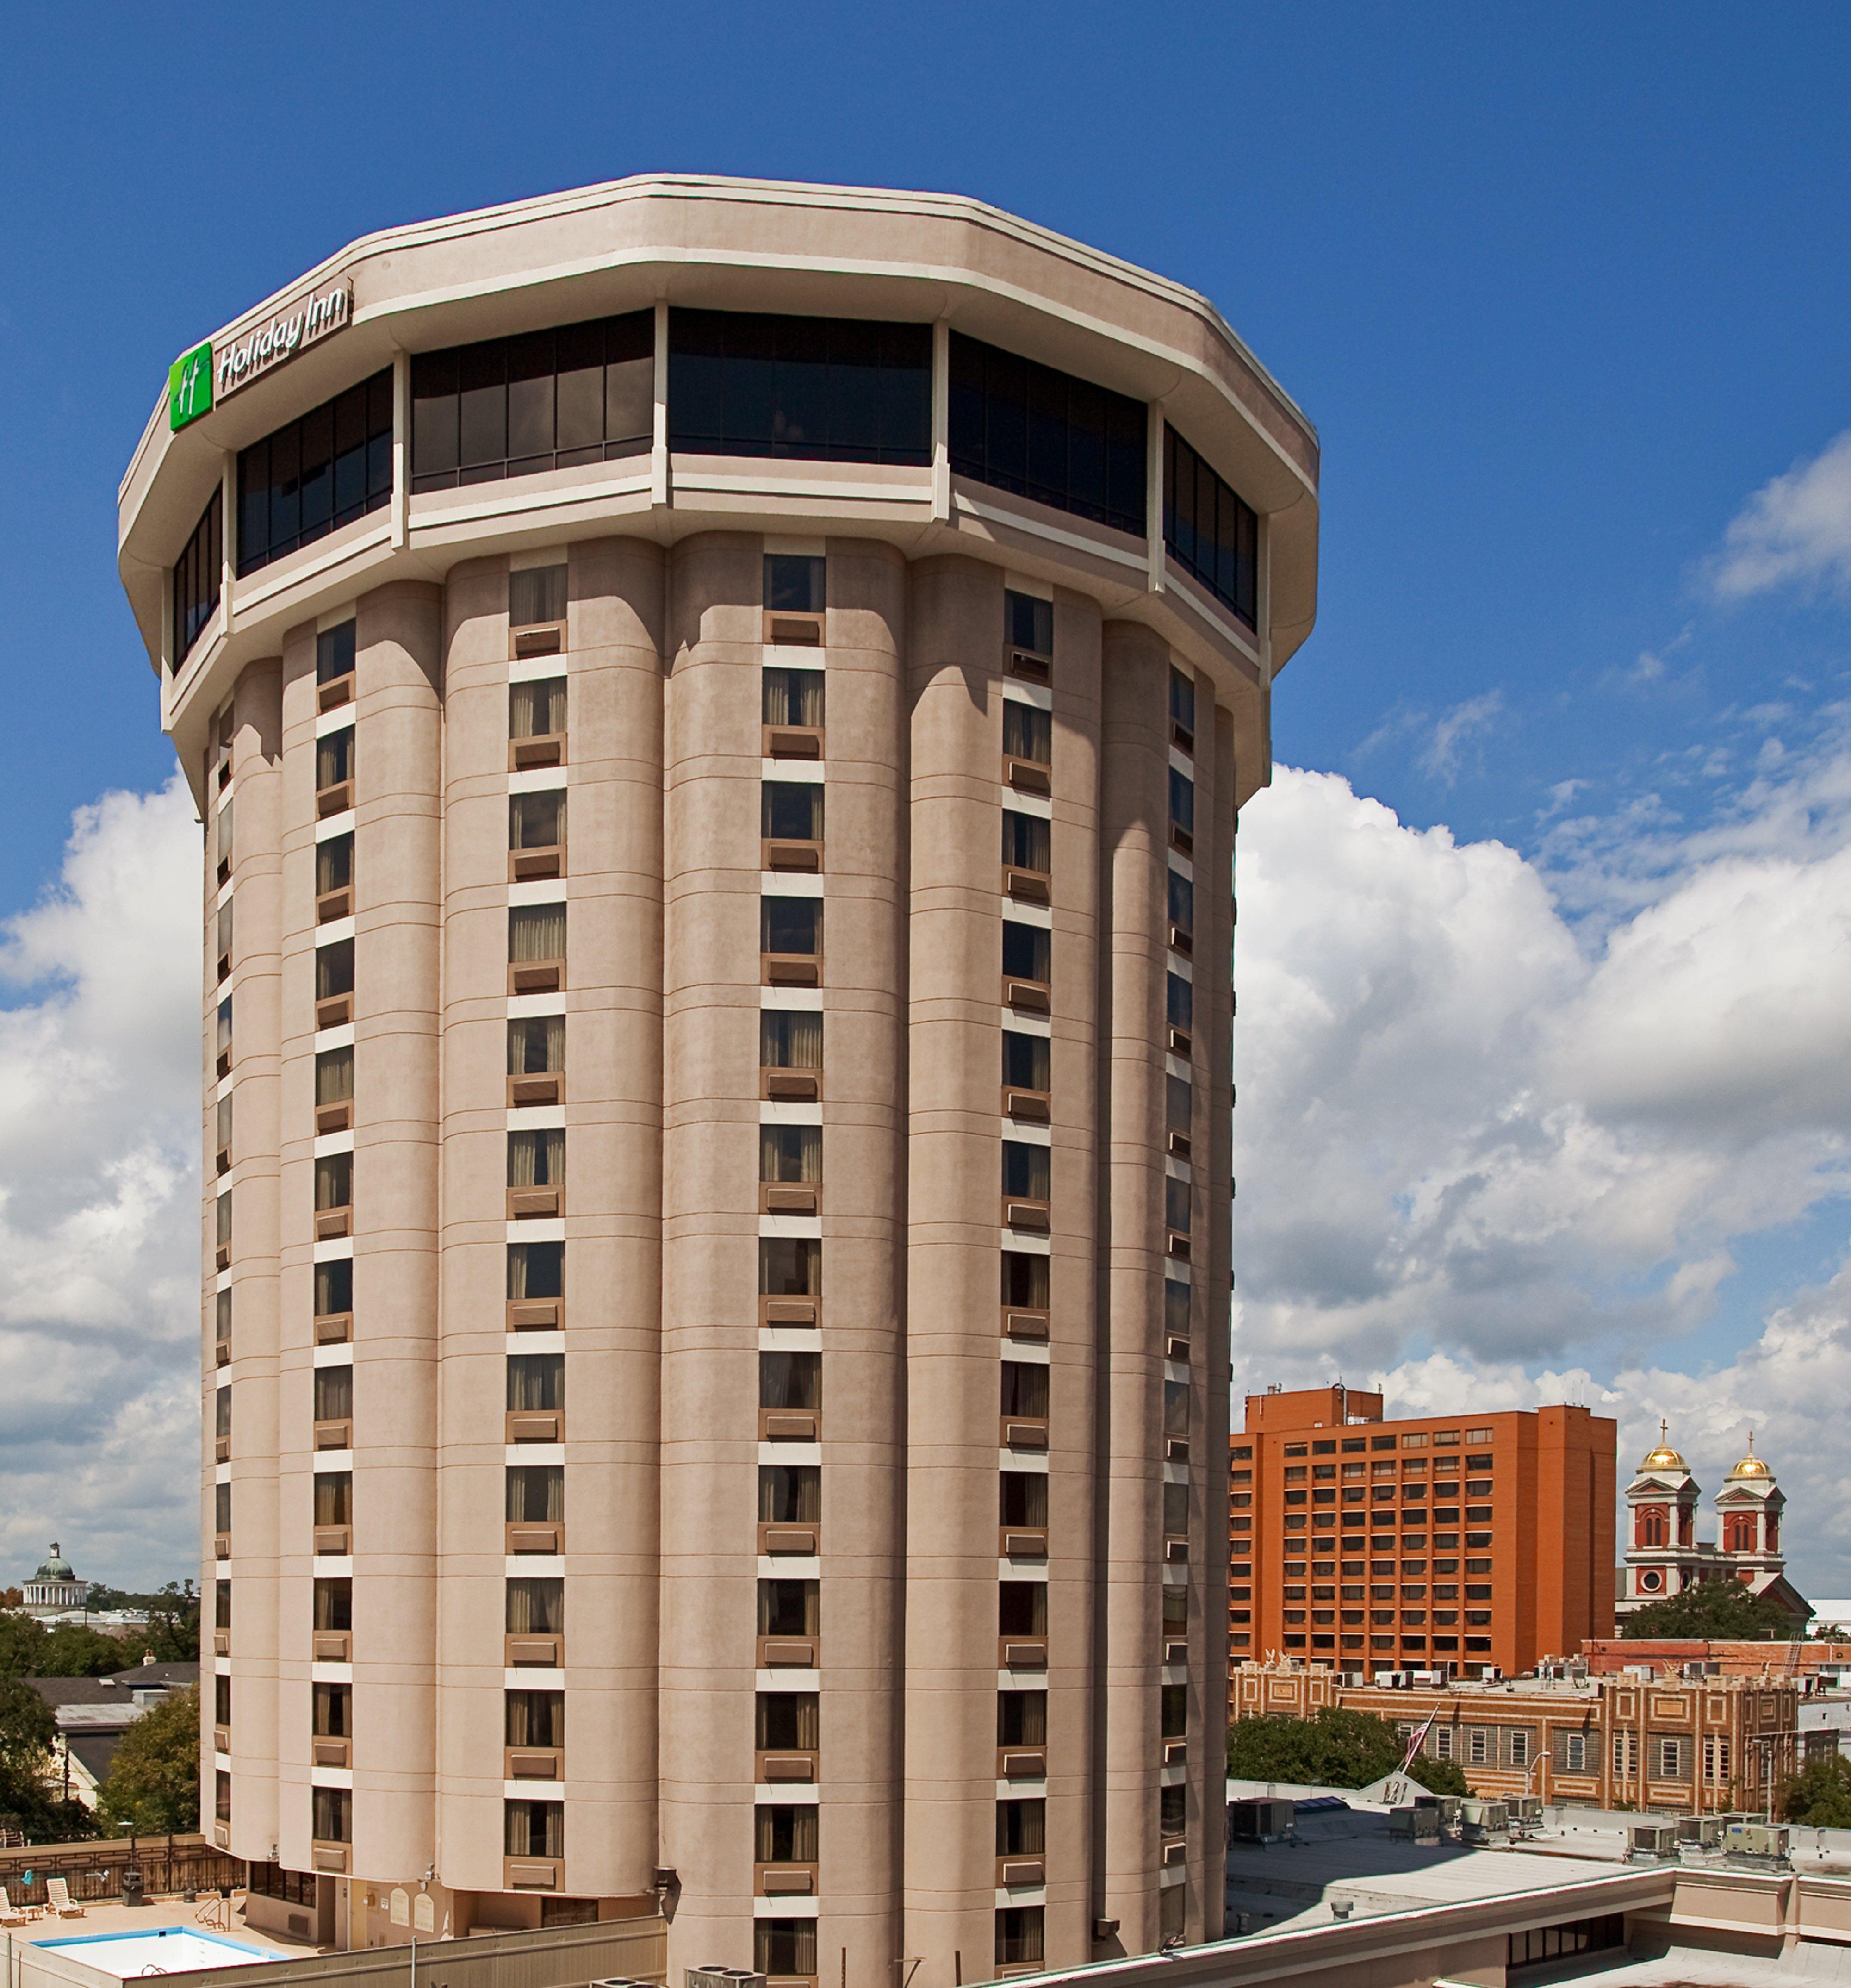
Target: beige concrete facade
{"x":975,"y":1583}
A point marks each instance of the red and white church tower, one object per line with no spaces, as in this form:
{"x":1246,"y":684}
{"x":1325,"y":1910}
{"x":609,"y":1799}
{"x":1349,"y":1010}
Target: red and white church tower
{"x":1663,"y":1555}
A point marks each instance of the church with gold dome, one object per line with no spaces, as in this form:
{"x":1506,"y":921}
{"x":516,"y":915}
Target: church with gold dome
{"x":1663,"y":1555}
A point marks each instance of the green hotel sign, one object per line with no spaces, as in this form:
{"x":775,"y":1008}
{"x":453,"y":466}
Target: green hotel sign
{"x":190,"y":387}
{"x":204,"y":378}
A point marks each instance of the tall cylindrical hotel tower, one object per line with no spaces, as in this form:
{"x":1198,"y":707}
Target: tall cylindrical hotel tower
{"x":718,"y":711}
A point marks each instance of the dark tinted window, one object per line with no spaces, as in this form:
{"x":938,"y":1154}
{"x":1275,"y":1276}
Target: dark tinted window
{"x":544,"y":400}
{"x":1025,"y":950}
{"x":831,"y":389}
{"x":334,"y":652}
{"x":316,"y":474}
{"x":1208,"y":530}
{"x":795,"y":583}
{"x":1022,"y":426}
{"x":196,"y":577}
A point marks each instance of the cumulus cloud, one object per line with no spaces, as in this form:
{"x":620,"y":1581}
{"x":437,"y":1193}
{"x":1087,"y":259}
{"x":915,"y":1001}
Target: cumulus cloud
{"x":99,"y":1198}
{"x":1795,"y":530}
{"x":1503,"y":1123}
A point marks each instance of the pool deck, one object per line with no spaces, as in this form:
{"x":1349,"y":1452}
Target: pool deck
{"x":150,"y":1917}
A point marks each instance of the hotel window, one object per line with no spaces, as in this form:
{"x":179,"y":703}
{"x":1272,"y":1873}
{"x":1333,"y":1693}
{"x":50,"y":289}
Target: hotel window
{"x":537,"y":821}
{"x":536,"y":1270}
{"x":1020,"y":426}
{"x":1174,"y":1711}
{"x":1182,"y":807}
{"x":1026,"y":1170}
{"x":785,"y":1833}
{"x":1026,"y":1061}
{"x":334,"y":1394}
{"x":333,"y":877}
{"x":1182,"y":709}
{"x":536,"y":1383}
{"x":544,"y":400}
{"x":789,"y":1608}
{"x":784,"y":1947}
{"x":316,"y":474}
{"x":223,"y":1224}
{"x":536,"y":1606}
{"x":221,"y":1509}
{"x":536,"y":1159}
{"x":787,"y":1719}
{"x":536,"y":709}
{"x":334,"y":1088}
{"x":536,"y":1046}
{"x":790,"y":1266}
{"x":536,"y":1828}
{"x":536,"y":1494}
{"x":333,"y":1815}
{"x":792,"y":697}
{"x":1179,"y":1001}
{"x":334,"y":1287}
{"x":221,"y":1701}
{"x":1025,"y":1395}
{"x":830,"y":389}
{"x":795,"y":583}
{"x":536,"y":932}
{"x":791,"y":928}
{"x":791,"y":811}
{"x":1022,"y":1719}
{"x":790,"y":1494}
{"x":1025,"y":1280}
{"x":533,"y":1719}
{"x":1028,"y":623}
{"x":790,"y":1381}
{"x":1173,"y":1810}
{"x":1022,"y":1608}
{"x":333,"y":1606}
{"x":1177,"y":1204}
{"x":1207,"y":530}
{"x":1022,"y":1498}
{"x":1018,"y":1936}
{"x":1026,"y":952}
{"x":1027,"y":733}
{"x":336,"y":650}
{"x":1026,"y":842}
{"x":1022,"y":1828}
{"x":792,"y":1154}
{"x":536,"y":595}
{"x":196,"y":576}
{"x":222,"y":1805}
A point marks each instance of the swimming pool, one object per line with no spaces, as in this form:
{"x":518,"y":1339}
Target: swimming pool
{"x":161,"y":1950}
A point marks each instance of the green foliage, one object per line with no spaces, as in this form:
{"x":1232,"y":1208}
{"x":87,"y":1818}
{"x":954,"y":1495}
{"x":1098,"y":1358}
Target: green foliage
{"x":172,"y":1635}
{"x":1714,"y":1611}
{"x":1819,"y":1794}
{"x":29,"y":1801}
{"x":153,"y":1781}
{"x":1335,"y":1748}
{"x":27,"y":1648}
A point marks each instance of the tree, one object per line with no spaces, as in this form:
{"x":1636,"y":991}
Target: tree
{"x":27,"y":1648}
{"x":1819,"y":1793}
{"x":1715,"y":1611}
{"x":153,"y":1780}
{"x":1335,"y":1748}
{"x":29,"y":1800}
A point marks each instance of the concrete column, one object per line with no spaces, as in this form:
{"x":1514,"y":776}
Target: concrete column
{"x":1133,"y":969}
{"x":710,"y":1231}
{"x":255,"y":889}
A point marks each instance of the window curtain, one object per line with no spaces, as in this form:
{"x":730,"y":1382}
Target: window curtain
{"x":790,"y":1380}
{"x":334,"y":757}
{"x":536,"y":594}
{"x":1026,"y":732}
{"x":536,"y":821}
{"x":790,"y":1494}
{"x":536,"y":931}
{"x":1024,"y":841}
{"x":793,"y":697}
{"x":536,"y":1608}
{"x":791,"y":1039}
{"x":536,"y":1382}
{"x":536,"y":1270}
{"x":224,"y":1124}
{"x":334,"y":1497}
{"x":790,"y":1153}
{"x":333,"y":1394}
{"x":536,"y":1159}
{"x":535,"y":1718}
{"x":788,"y":1607}
{"x":225,"y":929}
{"x":786,"y":1835}
{"x":223,"y":1309}
{"x":801,"y":1708}
{"x":1025,"y":1170}
{"x":536,"y":1494}
{"x":334,"y":1181}
{"x":536,"y":1046}
{"x":785,"y":1946}
{"x":536,"y":1829}
{"x":536,"y":710}
{"x":334,"y":1077}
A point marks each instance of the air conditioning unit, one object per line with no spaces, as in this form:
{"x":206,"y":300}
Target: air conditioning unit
{"x":1755,"y":1839}
{"x":1652,"y":1839}
{"x":1483,"y":1821}
{"x":1525,"y":1809}
{"x":722,"y":1977}
{"x":1703,"y":1830}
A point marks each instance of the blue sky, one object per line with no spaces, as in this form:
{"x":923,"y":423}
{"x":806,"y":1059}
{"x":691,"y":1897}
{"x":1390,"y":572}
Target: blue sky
{"x":1561,"y":288}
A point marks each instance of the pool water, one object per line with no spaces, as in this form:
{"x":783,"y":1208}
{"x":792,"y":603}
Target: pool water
{"x":160,"y":1950}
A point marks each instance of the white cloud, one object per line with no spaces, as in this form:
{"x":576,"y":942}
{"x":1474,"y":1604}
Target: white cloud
{"x":1795,"y":530}
{"x":1456,"y":730}
{"x":1485,"y":1150}
{"x":99,"y":1135}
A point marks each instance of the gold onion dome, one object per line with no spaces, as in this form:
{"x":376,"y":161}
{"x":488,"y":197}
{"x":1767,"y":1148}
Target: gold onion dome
{"x":1750,"y":1465}
{"x":1664,"y":1457}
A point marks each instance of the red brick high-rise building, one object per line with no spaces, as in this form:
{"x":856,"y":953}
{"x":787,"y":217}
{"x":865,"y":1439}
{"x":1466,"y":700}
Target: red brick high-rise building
{"x":1453,"y":1542}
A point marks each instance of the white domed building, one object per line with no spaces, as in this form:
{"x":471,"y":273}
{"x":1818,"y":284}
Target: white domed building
{"x":1663,"y":1555}
{"x":55,"y":1589}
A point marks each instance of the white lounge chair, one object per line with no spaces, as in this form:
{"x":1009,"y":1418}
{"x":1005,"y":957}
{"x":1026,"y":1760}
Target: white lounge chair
{"x":58,"y":1891}
{"x":11,"y":1915}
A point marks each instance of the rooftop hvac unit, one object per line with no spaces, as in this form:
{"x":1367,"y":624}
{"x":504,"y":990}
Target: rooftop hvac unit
{"x":1755,"y":1839}
{"x":1260,"y":1819}
{"x":1652,"y":1839}
{"x":1419,"y":1825}
{"x":1703,"y":1830}
{"x":722,"y":1977}
{"x":1524,"y":1808}
{"x":1480,"y":1821}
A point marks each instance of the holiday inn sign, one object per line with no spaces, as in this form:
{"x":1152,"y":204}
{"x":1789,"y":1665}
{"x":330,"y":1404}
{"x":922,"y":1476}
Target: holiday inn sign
{"x":202,"y":378}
